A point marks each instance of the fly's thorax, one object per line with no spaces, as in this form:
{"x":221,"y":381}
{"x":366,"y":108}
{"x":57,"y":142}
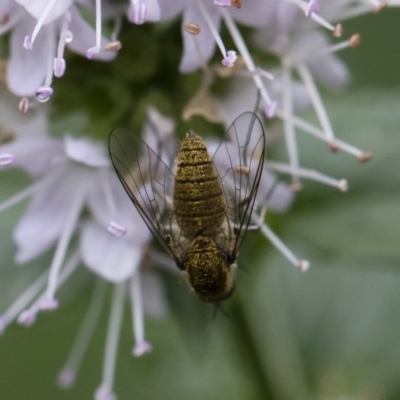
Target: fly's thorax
{"x":199,"y":204}
{"x":208,"y":270}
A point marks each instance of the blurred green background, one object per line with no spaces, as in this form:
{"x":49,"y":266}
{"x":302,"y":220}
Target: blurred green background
{"x":332,"y":333}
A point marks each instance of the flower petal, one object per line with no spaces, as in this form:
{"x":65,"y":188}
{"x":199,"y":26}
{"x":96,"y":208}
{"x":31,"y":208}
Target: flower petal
{"x":196,"y":53}
{"x":159,"y":131}
{"x":85,"y":151}
{"x":33,"y":124}
{"x":114,"y":259}
{"x":36,"y":8}
{"x":255,"y":13}
{"x":153,"y":11}
{"x":170,"y":9}
{"x":6,"y":6}
{"x":278,"y":197}
{"x":330,"y":71}
{"x":35,"y":155}
{"x":26,"y":69}
{"x":47,"y":213}
{"x":123,"y":211}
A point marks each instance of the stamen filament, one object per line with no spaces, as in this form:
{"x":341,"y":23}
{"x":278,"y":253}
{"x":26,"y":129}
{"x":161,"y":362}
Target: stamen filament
{"x":108,"y":196}
{"x":334,"y":48}
{"x":23,"y":300}
{"x":289,"y":130}
{"x":117,"y":29}
{"x":17,"y":198}
{"x":316,"y":132}
{"x":94,"y":50}
{"x":44,"y":92}
{"x":309,"y":174}
{"x":113,"y":227}
{"x":64,"y":35}
{"x":212,"y":28}
{"x":98,"y":23}
{"x":316,"y":101}
{"x":51,"y":45}
{"x":141,"y":346}
{"x":28,"y":316}
{"x":355,"y":11}
{"x":245,"y":54}
{"x":113,"y":333}
{"x":60,"y":252}
{"x":316,"y":17}
{"x":42,"y":18}
{"x":303,"y":265}
{"x":66,"y":377}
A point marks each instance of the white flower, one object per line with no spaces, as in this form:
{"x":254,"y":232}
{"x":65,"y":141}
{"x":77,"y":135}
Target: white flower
{"x":40,"y":31}
{"x":72,"y":175}
{"x":198,"y":48}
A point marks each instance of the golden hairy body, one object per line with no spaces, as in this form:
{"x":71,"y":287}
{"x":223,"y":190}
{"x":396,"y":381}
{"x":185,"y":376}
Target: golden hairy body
{"x":200,"y":212}
{"x":199,"y":203}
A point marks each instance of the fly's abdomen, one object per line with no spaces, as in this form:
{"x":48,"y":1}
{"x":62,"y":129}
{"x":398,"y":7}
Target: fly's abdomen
{"x":199,"y":203}
{"x":207,"y":270}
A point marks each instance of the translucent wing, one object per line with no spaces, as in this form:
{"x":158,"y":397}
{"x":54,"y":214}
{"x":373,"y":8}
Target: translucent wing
{"x":147,"y":177}
{"x":239,"y":161}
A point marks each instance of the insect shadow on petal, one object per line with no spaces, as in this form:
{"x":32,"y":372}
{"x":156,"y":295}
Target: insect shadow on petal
{"x":198,"y":206}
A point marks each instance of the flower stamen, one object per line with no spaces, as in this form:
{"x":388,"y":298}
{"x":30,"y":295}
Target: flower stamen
{"x":317,"y":103}
{"x":229,"y":57}
{"x":94,"y":50}
{"x":67,"y":375}
{"x":28,"y":41}
{"x":309,"y":10}
{"x":352,"y":42}
{"x":17,"y":198}
{"x":49,"y":302}
{"x":115,"y":44}
{"x":306,"y":127}
{"x":141,"y":345}
{"x":303,"y":265}
{"x":192,"y":28}
{"x":312,"y":7}
{"x":104,"y":392}
{"x":22,"y":302}
{"x":28,"y":316}
{"x":113,"y":227}
{"x":245,"y":54}
{"x":290,"y":134}
{"x":23,"y":105}
{"x":341,"y":184}
{"x":43,"y":93}
{"x":66,"y":36}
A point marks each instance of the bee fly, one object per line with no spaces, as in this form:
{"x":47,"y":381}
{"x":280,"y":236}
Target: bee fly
{"x":199,"y":211}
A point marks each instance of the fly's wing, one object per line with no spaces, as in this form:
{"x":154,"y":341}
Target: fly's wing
{"x":147,"y":177}
{"x":239,"y":161}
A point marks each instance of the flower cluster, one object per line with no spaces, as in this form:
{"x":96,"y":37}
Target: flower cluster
{"x":277,"y":66}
